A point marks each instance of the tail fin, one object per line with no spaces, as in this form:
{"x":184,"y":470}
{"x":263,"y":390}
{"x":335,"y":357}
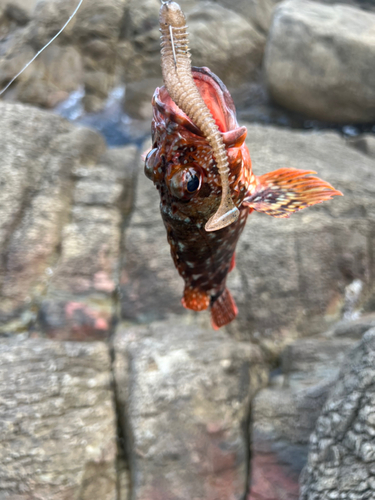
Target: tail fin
{"x":288,"y":190}
{"x":223,"y":310}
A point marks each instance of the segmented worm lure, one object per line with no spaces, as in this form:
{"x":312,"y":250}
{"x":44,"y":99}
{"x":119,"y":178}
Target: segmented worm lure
{"x":178,"y":79}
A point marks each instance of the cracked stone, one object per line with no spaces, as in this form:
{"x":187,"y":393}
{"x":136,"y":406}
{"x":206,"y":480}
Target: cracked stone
{"x":58,"y":424}
{"x":184,"y":413}
{"x":352,"y":398}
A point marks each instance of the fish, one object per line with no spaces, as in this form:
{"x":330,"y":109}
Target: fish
{"x":182,"y":166}
{"x":178,"y":79}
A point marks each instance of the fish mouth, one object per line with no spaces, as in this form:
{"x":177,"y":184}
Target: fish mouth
{"x":218,"y":100}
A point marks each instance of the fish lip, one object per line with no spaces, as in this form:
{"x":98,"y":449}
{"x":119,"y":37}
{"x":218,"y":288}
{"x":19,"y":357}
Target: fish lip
{"x":166,"y":110}
{"x":215,"y":94}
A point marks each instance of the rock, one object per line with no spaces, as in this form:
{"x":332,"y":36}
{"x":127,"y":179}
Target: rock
{"x":284,"y":415}
{"x":34,"y":200}
{"x":55,"y":73}
{"x":17,"y":7}
{"x":80,"y":300}
{"x":361,"y":4}
{"x":365,"y":144}
{"x":84,"y":54}
{"x":312,"y":49}
{"x":259,"y":14}
{"x":341,"y":454}
{"x":60,"y":231}
{"x":225,"y":42}
{"x":354,"y":329}
{"x":58,"y":425}
{"x":137,"y":102}
{"x":298,"y":268}
{"x":184,"y":396}
{"x":219,"y":38}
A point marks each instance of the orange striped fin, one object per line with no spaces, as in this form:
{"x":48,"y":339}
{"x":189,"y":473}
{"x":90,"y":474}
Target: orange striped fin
{"x":287,"y":190}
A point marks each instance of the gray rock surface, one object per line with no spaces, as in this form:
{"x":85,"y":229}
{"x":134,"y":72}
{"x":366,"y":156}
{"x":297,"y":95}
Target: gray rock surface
{"x":220,"y":38}
{"x":113,"y":41}
{"x":18,"y":8}
{"x":80,"y":301}
{"x":298,"y":268}
{"x":342,"y":448}
{"x":285,"y":414}
{"x":63,"y":200}
{"x":364,"y":143}
{"x":224,"y":41}
{"x":354,"y":329}
{"x":84,"y":54}
{"x":58,"y":425}
{"x":259,"y":14}
{"x":311,"y":50}
{"x":184,"y":397}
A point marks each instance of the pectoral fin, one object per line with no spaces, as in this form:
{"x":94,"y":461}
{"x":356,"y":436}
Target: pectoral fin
{"x":288,"y":190}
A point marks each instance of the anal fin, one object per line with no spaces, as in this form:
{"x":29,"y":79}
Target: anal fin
{"x":223,"y":310}
{"x":195,"y":299}
{"x":287,"y":190}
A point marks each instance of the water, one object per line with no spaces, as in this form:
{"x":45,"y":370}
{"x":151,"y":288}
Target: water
{"x":117,"y":128}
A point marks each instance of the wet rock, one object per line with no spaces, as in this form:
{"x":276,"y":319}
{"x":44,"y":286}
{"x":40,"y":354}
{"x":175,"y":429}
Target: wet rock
{"x":183,"y":396}
{"x":341,"y":454}
{"x":285,"y":414}
{"x":58,"y":426}
{"x":298,"y":268}
{"x":63,"y":200}
{"x":312,"y":49}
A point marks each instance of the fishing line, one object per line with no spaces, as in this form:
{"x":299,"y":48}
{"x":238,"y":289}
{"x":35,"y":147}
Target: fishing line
{"x":41,"y":50}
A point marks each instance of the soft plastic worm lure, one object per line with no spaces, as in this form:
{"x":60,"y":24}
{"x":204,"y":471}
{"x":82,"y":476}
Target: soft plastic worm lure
{"x":176,"y":67}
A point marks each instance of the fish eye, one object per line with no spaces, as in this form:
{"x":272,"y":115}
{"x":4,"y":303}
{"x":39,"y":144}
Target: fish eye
{"x":150,"y":163}
{"x":193,"y":183}
{"x":185,"y":182}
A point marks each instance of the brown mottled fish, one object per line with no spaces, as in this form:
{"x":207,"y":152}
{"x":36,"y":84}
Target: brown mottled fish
{"x":202,"y":169}
{"x":183,"y":168}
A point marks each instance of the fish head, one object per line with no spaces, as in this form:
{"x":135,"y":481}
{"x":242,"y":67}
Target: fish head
{"x":181,"y":163}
